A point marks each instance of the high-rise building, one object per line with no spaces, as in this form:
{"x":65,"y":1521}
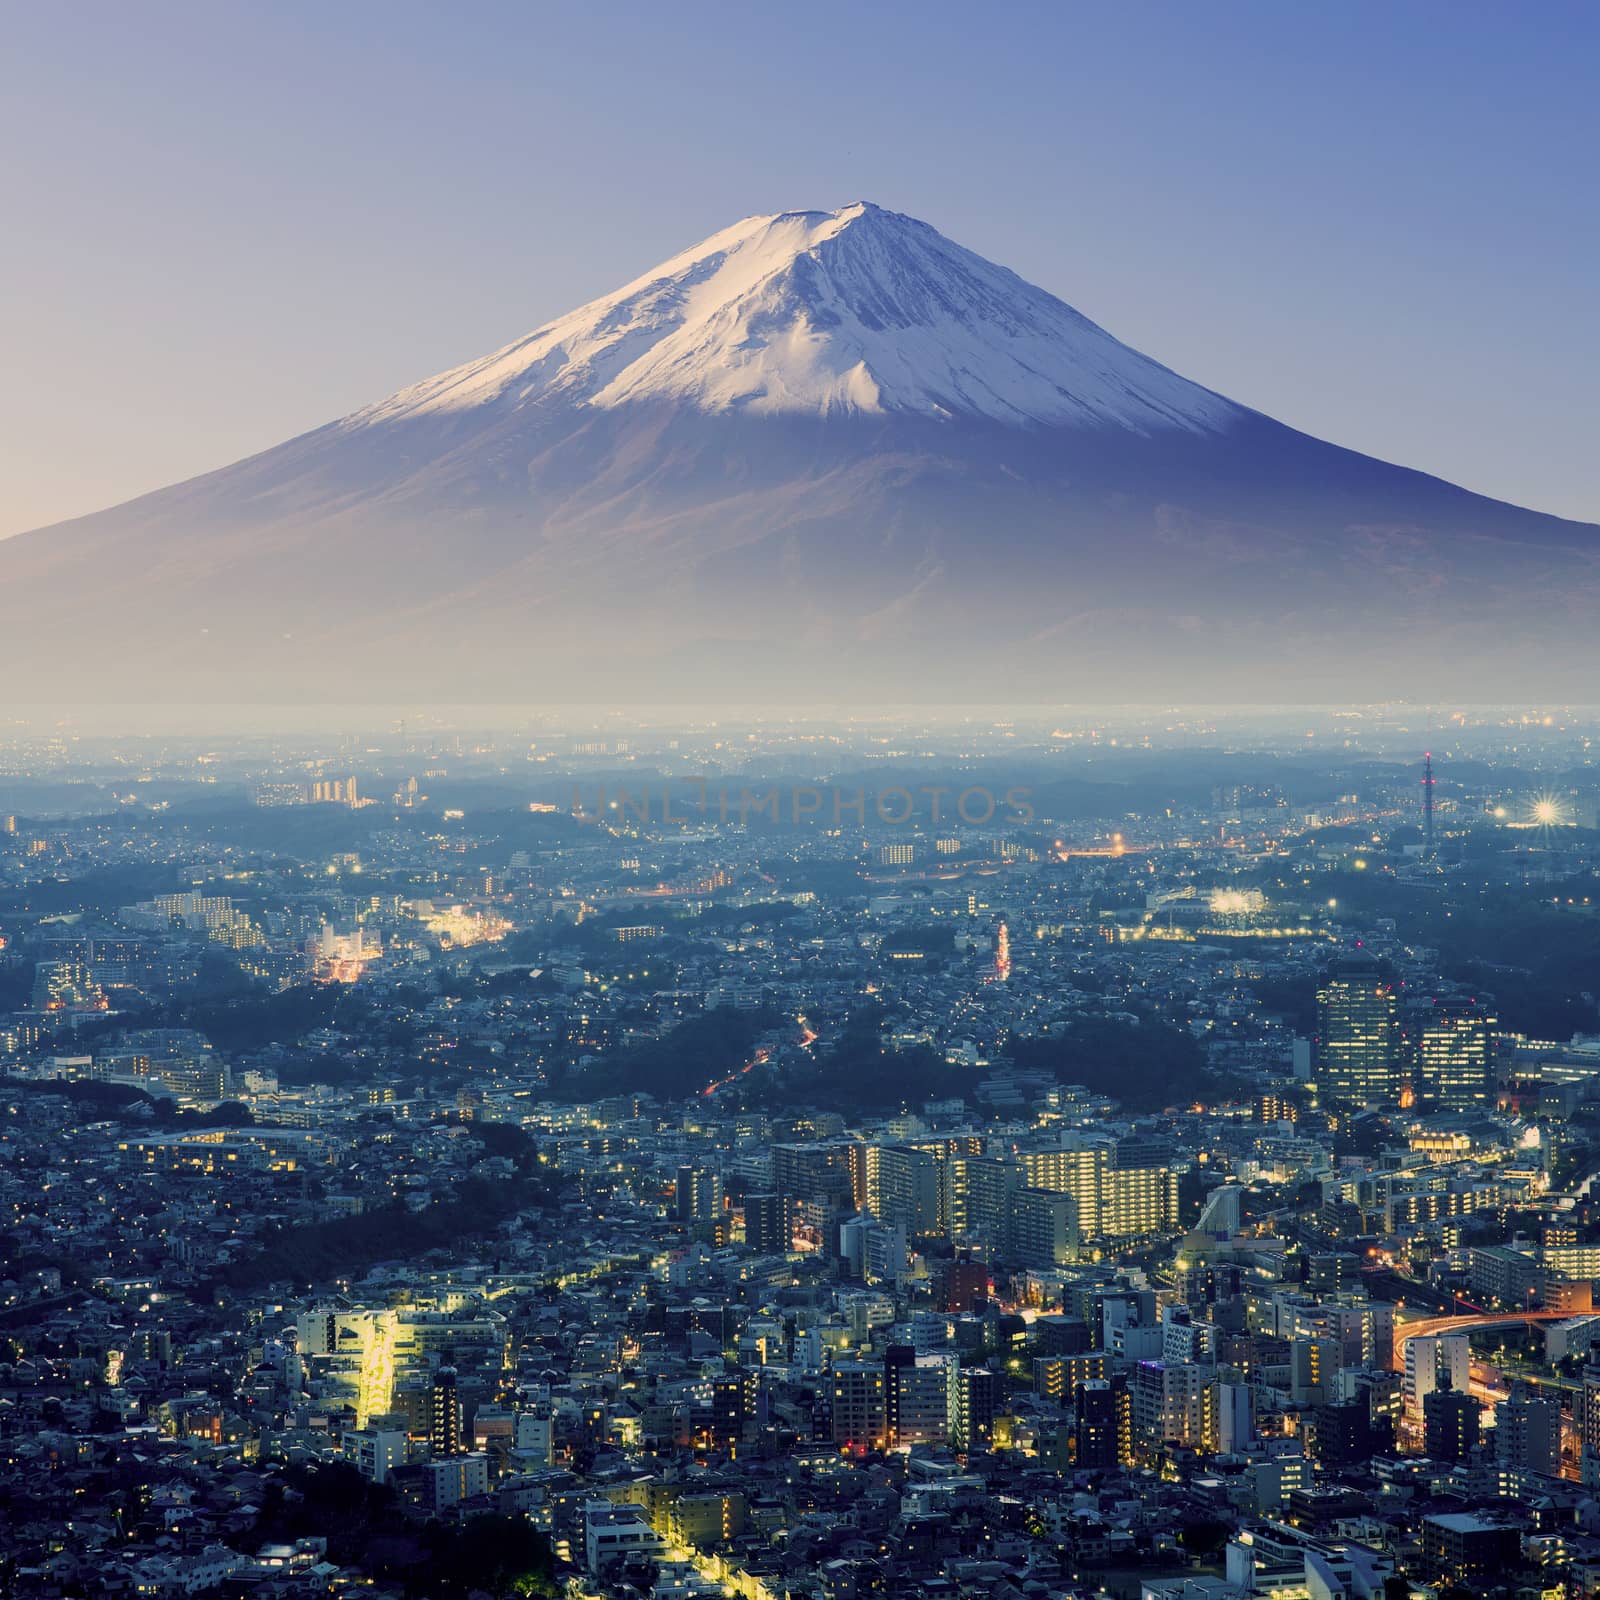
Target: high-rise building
{"x":1079,"y":1171}
{"x":444,"y":1414}
{"x":1527,"y":1433}
{"x":1589,"y":1412}
{"x":858,"y":1391}
{"x":1450,"y":1424}
{"x":698,"y":1195}
{"x":981,"y":1188}
{"x":977,"y":1404}
{"x":1435,"y":1361}
{"x":1044,"y":1228}
{"x":1137,"y":1201}
{"x":731,"y":1415}
{"x":922,"y":1399}
{"x":1175,"y":1402}
{"x":905,"y":1186}
{"x":1060,"y":1377}
{"x":1359,"y":1047}
{"x":1103,"y":1425}
{"x":766,"y":1224}
{"x":959,"y":1282}
{"x":1455,"y":1051}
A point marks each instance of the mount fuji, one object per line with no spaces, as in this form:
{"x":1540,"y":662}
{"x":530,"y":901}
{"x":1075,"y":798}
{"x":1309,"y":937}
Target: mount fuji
{"x":820,"y":456}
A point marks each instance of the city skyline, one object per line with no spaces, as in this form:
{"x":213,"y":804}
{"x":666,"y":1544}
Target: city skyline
{"x":905,"y":908}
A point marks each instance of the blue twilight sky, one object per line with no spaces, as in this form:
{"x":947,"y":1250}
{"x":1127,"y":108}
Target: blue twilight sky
{"x":227,"y":223}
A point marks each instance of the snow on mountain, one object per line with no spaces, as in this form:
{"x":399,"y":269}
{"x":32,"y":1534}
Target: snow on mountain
{"x":819,"y":456}
{"x":857,"y":311}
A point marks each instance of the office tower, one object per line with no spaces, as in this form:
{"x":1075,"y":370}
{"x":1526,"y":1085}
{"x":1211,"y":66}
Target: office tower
{"x":444,"y":1414}
{"x":1455,"y":1051}
{"x":1527,"y":1433}
{"x":766,"y":1224}
{"x":1359,"y":1047}
{"x":1450,"y":1424}
{"x":698,"y":1195}
{"x":1103,"y":1425}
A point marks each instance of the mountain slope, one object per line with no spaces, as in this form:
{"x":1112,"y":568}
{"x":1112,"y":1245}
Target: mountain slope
{"x":818,"y":456}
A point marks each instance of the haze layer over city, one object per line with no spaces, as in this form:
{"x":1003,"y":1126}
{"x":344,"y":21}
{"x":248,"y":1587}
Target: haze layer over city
{"x":817,"y":932}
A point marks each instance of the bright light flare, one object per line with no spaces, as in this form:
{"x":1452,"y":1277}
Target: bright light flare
{"x":1546,"y":811}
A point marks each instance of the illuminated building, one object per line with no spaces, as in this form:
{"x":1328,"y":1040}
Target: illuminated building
{"x":905,"y":1186}
{"x":444,"y":1414}
{"x":697,"y":1194}
{"x":375,"y":1452}
{"x":1059,"y":1378}
{"x":1080,"y":1172}
{"x":66,"y":986}
{"x":1527,"y":1433}
{"x":1359,"y":1045}
{"x":1138,"y":1201}
{"x":978,"y":1399}
{"x":1276,"y":1108}
{"x":766,"y":1224}
{"x":1434,"y":1361}
{"x":1174,"y":1401}
{"x":921,"y":1398}
{"x":334,"y":791}
{"x":695,"y":1521}
{"x":1044,"y":1228}
{"x":1103,"y":1424}
{"x":860,"y":1414}
{"x":729,"y":1419}
{"x":1456,"y":1053}
{"x":1450,"y":1424}
{"x":343,"y":957}
{"x":450,"y":1479}
{"x":958,"y":1283}
{"x":1002,"y":954}
{"x":1469,"y":1547}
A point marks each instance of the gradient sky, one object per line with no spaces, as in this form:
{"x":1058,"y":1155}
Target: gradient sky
{"x":226,"y":224}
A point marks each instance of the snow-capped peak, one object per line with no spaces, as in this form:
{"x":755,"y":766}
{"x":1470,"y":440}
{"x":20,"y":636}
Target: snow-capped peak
{"x":859,"y":310}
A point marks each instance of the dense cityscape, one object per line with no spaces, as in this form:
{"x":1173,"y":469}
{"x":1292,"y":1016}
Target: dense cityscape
{"x":1042,"y":1158}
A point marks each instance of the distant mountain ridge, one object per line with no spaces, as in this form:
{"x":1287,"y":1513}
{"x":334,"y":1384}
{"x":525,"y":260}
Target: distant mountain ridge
{"x":821,"y":456}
